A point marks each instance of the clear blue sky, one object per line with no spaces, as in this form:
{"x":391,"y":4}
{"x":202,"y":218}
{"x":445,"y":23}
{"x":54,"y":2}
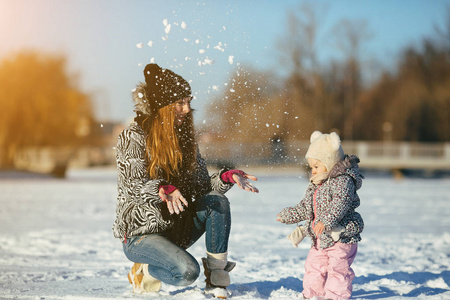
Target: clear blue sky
{"x":100,"y":38}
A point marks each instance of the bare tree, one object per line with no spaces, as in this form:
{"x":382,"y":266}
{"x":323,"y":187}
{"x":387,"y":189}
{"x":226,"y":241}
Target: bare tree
{"x":349,"y":37}
{"x":41,"y":104}
{"x":443,"y":34}
{"x":298,"y":50}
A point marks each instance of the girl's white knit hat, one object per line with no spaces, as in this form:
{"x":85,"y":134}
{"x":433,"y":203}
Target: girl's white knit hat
{"x":326,"y":148}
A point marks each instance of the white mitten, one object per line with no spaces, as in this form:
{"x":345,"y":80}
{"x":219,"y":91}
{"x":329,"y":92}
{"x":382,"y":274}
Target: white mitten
{"x":296,"y":236}
{"x":335,"y":232}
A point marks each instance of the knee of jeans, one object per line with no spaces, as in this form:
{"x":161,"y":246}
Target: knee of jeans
{"x":220,"y":203}
{"x":189,"y":274}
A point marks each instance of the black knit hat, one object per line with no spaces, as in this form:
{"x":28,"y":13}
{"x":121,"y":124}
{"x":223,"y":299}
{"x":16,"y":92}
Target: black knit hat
{"x":164,"y":87}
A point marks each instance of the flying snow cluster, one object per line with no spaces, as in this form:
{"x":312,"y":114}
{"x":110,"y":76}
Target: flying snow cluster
{"x":204,"y":53}
{"x":204,"y":59}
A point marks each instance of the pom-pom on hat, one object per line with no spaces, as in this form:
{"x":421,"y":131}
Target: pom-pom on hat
{"x":162,"y":87}
{"x":326,"y":148}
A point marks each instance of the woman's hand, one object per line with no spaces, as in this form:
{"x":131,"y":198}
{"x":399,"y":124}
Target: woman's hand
{"x":243,"y":183}
{"x":318,"y":229}
{"x":174,"y":200}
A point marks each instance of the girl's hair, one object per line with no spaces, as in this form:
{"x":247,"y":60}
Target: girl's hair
{"x":169,"y":147}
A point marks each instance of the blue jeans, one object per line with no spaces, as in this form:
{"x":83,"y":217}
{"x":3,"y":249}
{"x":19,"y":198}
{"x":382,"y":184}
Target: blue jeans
{"x":171,"y":263}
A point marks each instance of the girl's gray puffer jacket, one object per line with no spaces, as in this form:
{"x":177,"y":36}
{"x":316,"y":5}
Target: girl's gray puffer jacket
{"x":139,"y":209}
{"x":336,"y":201}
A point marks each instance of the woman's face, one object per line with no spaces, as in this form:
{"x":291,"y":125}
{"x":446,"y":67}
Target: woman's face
{"x":182,"y":108}
{"x":317,"y":166}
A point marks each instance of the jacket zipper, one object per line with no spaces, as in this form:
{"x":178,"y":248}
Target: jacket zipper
{"x":315,"y":209}
{"x":315,"y":206}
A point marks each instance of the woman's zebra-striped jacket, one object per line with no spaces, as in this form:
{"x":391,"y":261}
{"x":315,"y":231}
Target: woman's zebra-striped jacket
{"x":140,"y":210}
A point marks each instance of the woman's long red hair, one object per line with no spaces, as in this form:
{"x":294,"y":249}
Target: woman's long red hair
{"x":169,"y":147}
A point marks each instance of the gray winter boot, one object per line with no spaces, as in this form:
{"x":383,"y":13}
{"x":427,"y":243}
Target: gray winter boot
{"x":217,"y":277}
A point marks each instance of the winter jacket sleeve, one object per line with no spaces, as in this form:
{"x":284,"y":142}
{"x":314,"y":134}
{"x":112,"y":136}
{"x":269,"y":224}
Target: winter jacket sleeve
{"x":205,"y":183}
{"x":343,"y":189}
{"x":298,"y":213}
{"x":139,"y":209}
{"x":132,"y":173}
{"x":354,"y":224}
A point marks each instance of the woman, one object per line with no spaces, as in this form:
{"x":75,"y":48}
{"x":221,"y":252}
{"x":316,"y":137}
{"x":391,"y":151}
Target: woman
{"x":166,"y":199}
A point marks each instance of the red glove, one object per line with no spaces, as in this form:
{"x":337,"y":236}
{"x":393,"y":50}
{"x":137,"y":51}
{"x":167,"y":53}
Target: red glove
{"x":168,"y":189}
{"x":228,"y":175}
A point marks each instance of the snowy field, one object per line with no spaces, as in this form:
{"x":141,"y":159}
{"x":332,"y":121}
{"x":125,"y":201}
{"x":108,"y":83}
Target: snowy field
{"x":56,"y":240}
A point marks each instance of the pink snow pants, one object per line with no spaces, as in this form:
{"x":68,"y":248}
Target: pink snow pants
{"x":328,"y":273}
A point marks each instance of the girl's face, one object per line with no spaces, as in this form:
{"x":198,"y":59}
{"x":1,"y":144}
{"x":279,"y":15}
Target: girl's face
{"x":182,"y":108}
{"x":317,"y":167}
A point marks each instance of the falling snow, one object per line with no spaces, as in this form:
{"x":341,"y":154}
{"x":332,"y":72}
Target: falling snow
{"x":167,"y":29}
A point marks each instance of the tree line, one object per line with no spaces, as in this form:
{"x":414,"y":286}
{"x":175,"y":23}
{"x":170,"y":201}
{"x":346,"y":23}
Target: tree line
{"x":409,"y":102}
{"x":41,"y":105}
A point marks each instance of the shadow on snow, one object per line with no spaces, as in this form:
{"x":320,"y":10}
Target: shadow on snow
{"x":416,"y":278}
{"x":264,"y":289}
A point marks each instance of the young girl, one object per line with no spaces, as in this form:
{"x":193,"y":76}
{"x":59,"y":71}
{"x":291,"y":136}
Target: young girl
{"x":166,"y":198}
{"x":327,"y":207}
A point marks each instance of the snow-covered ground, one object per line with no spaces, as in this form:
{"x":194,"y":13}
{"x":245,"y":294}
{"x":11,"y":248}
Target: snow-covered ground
{"x":56,"y":240}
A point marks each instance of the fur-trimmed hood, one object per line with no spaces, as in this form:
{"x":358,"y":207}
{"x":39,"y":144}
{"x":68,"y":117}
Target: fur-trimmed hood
{"x":140,"y":99}
{"x":350,"y":167}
